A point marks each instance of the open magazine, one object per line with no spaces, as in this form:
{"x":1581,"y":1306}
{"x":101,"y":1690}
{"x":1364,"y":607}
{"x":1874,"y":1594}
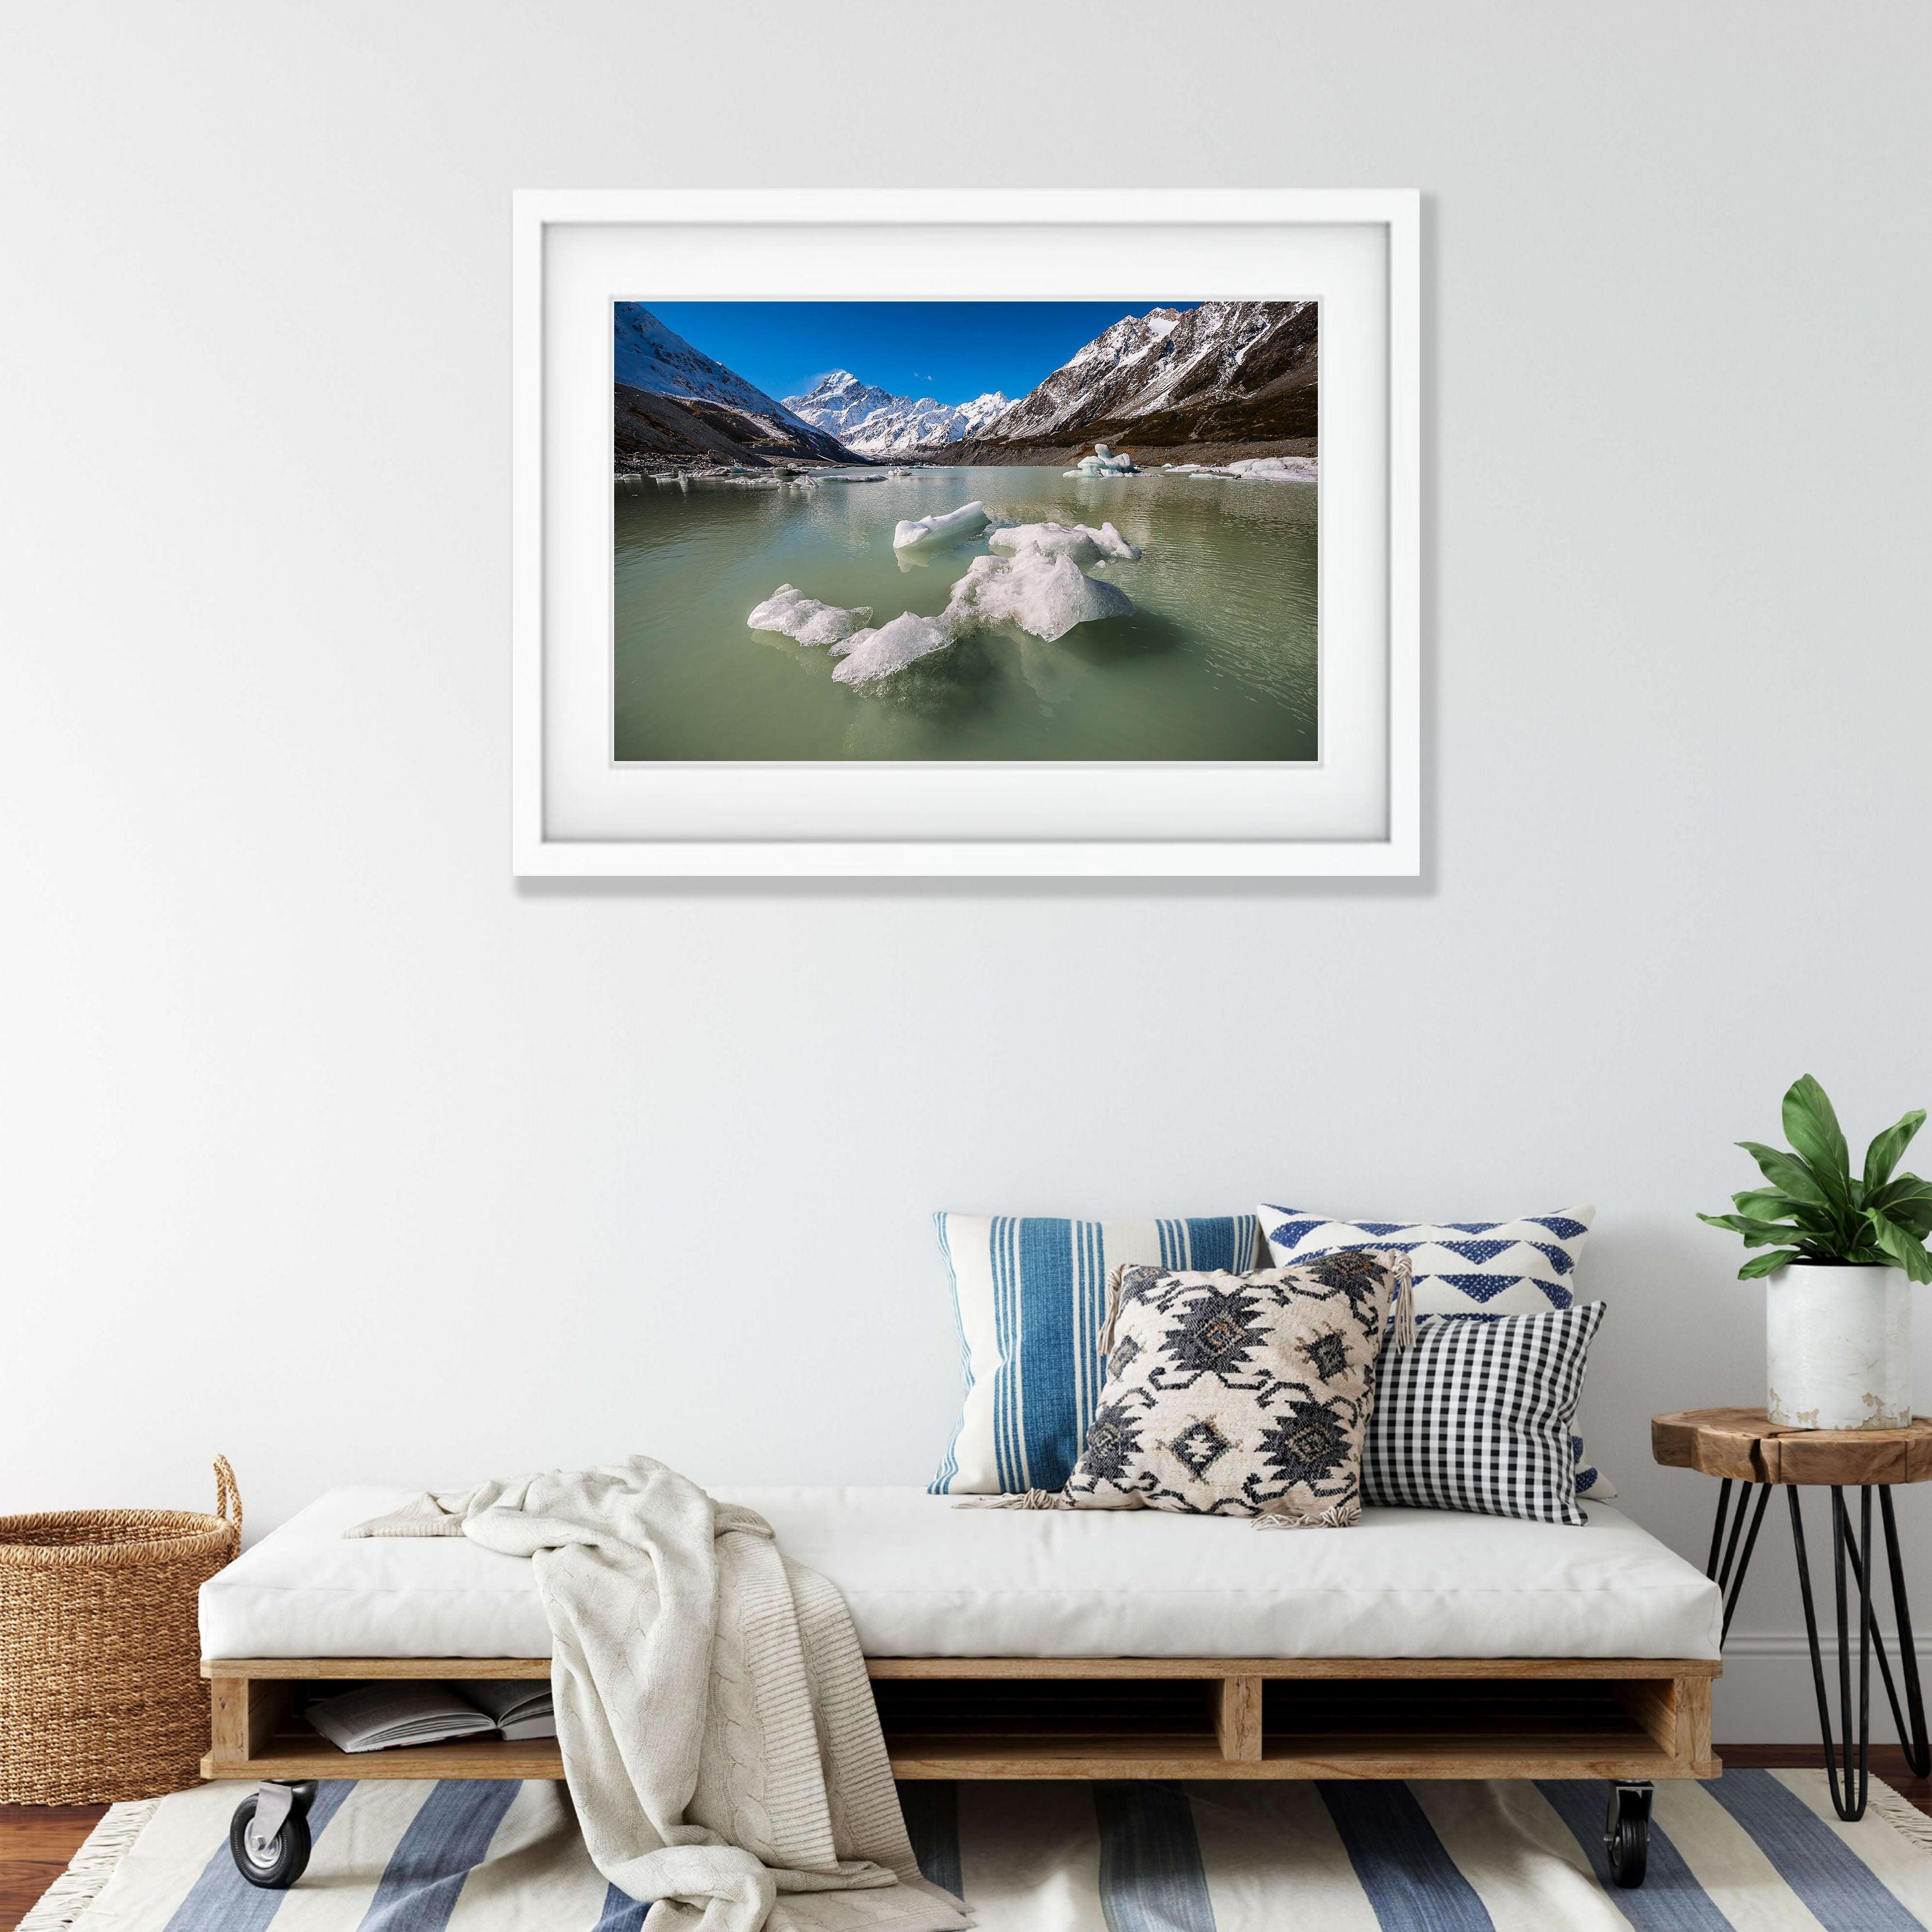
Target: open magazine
{"x":380,"y":1716}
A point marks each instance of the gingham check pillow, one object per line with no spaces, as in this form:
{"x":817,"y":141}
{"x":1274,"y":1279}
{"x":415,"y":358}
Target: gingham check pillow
{"x":1480,"y":1269}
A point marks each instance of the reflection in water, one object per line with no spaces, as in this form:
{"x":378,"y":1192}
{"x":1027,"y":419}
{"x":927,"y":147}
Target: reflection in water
{"x":1053,"y":672}
{"x":1217,"y":662}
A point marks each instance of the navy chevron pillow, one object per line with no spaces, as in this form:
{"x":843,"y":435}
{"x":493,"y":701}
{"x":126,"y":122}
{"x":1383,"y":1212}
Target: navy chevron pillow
{"x":1523,"y":1267}
{"x":1527,"y":1266}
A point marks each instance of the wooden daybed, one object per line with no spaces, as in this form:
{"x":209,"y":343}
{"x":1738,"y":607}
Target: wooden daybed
{"x":1631,"y":1720}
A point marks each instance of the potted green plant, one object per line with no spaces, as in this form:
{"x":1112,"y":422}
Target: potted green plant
{"x":1842,"y":1251}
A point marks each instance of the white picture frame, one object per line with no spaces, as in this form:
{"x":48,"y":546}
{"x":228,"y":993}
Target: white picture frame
{"x":1356,"y":813}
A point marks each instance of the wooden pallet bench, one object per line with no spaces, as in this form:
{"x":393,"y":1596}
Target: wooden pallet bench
{"x":1629,"y":1719}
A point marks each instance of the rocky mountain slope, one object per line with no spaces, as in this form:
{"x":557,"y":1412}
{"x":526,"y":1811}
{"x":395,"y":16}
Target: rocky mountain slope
{"x":651,"y":434}
{"x":675,"y":407}
{"x":877,"y":424}
{"x":1227,"y":378}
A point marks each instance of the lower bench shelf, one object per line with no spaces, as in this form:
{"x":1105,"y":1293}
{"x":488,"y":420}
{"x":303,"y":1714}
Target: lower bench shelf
{"x":1625,"y":1719}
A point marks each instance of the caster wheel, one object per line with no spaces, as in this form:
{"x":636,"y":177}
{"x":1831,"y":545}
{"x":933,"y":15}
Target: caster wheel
{"x":287,"y":1857}
{"x":1626,"y":1834}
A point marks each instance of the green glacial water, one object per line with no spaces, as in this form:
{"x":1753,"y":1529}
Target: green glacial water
{"x":1217,"y":662}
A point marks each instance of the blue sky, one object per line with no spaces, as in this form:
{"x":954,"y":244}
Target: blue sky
{"x":953,"y":351}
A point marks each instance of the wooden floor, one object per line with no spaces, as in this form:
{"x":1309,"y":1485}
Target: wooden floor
{"x":36,"y":1841}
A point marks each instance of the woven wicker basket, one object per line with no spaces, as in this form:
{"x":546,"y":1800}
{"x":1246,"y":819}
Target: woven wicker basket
{"x":101,"y":1696}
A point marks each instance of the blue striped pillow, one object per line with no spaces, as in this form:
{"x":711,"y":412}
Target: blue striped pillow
{"x":1030,"y":1295}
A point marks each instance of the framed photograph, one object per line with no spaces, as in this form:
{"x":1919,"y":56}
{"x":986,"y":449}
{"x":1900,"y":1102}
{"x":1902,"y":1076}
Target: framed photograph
{"x":1008,"y":533}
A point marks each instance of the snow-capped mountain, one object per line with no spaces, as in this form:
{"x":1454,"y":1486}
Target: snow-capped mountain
{"x":653,"y":358}
{"x":1225,"y":371}
{"x":975,"y":415}
{"x":840,"y":402}
{"x":875,"y":422}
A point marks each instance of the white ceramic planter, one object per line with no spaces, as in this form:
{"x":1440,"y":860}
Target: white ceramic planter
{"x":1838,"y":1347}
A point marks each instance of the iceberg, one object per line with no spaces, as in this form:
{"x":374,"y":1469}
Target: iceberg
{"x":1103,"y":462}
{"x":1259,"y":469}
{"x":877,"y":654}
{"x":1085,"y":545}
{"x":1275,"y":469}
{"x":941,"y":531}
{"x":1040,"y":586}
{"x":1046,"y":595}
{"x":790,"y":611}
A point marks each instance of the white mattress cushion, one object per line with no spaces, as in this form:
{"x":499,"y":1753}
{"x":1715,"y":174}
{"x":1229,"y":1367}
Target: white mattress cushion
{"x":924,"y":1578}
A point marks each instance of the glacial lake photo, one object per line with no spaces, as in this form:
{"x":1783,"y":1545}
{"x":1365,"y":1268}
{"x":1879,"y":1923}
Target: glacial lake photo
{"x":1121,"y":565}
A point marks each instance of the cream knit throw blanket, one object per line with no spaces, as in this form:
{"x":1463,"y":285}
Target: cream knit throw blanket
{"x":718,"y":1730}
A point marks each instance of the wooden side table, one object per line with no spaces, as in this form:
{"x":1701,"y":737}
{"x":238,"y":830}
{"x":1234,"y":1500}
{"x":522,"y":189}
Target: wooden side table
{"x":1742,"y":1445}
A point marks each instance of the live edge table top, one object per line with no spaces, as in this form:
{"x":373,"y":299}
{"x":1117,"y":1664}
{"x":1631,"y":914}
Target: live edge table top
{"x":1744,"y":1444}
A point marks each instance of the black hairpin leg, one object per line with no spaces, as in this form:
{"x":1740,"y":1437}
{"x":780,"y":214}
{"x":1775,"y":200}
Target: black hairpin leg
{"x":1847,"y":1762}
{"x":1717,"y":1527}
{"x":1918,"y":1752}
{"x":1910,"y":1721}
{"x":1854,"y":1760}
{"x":1729,"y":1574}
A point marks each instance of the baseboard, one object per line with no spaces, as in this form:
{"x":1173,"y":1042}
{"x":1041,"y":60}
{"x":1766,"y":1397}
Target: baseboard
{"x":1767,"y":1696}
{"x":1744,"y":1647}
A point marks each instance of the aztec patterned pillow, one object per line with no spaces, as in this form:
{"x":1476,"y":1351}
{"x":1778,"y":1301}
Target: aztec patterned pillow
{"x":1030,"y":1294}
{"x":1524,"y":1267}
{"x":1475,"y":1415}
{"x":1241,"y":1395}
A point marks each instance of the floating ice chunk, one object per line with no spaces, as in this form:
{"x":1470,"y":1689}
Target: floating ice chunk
{"x":877,"y":654}
{"x":1085,"y":545}
{"x":1073,"y":540}
{"x":1047,"y":595}
{"x":1103,"y":462}
{"x":1259,"y":469}
{"x":1275,"y":469}
{"x":941,"y":531}
{"x":790,"y":611}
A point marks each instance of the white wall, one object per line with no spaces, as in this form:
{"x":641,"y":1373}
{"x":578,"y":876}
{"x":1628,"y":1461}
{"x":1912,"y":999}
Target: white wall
{"x":323,"y":1143}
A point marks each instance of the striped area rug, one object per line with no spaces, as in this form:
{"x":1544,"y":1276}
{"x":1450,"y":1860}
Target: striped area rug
{"x":1757,"y":1852}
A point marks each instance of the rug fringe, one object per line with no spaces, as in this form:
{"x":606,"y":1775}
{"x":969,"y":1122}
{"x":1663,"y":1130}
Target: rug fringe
{"x":90,"y":1867}
{"x":1901,"y":1814}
